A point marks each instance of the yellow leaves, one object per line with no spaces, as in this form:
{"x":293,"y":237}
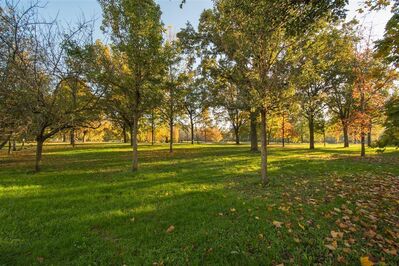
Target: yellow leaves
{"x":332,"y":246}
{"x":170,"y":229}
{"x":284,"y":209}
{"x":277,"y":224}
{"x":301,"y":226}
{"x":335,"y":234}
{"x":365,"y":261}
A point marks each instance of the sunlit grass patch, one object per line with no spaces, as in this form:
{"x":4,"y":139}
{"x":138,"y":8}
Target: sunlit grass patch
{"x":87,"y":207}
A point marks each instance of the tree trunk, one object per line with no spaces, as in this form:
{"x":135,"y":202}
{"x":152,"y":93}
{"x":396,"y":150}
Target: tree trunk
{"x":192,"y":128}
{"x":22,"y":145}
{"x":254,"y":135}
{"x":369,"y":137}
{"x":362,"y":133}
{"x":5,"y":142}
{"x":9,"y":147}
{"x":63,"y":137}
{"x":324,"y":137}
{"x":263,"y":149}
{"x":171,"y":135}
{"x":346,"y":134}
{"x":363,"y":143}
{"x":84,"y":136}
{"x":124,"y":133}
{"x":131,"y":134}
{"x":14,"y":145}
{"x":237,"y":136}
{"x":283,"y":132}
{"x":135,"y":164}
{"x":311,"y":132}
{"x":39,"y":150}
{"x":152,"y":131}
{"x":72,"y":137}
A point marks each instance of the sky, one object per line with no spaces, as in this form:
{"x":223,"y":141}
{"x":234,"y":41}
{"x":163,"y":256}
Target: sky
{"x":70,"y":11}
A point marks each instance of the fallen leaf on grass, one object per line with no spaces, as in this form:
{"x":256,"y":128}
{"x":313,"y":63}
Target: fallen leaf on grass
{"x":392,"y":252}
{"x":335,"y":234}
{"x":301,"y":226}
{"x":332,"y":246}
{"x":232,"y":209}
{"x":170,"y":229}
{"x":365,"y":261}
{"x":277,"y":224}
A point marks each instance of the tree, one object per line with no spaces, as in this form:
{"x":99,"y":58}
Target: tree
{"x":194,"y":95}
{"x":372,"y":79}
{"x":44,"y":76}
{"x":341,"y":77}
{"x":172,"y":98}
{"x":136,"y":31}
{"x":310,"y":79}
{"x":260,"y":32}
{"x":391,"y":133}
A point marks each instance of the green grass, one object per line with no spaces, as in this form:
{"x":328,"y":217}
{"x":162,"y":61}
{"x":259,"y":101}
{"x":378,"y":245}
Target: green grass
{"x":86,"y":207}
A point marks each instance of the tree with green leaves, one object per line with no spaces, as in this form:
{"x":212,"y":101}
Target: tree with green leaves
{"x":136,"y":31}
{"x":173,"y":94}
{"x":313,"y":61}
{"x":391,"y":132}
{"x":258,"y":34}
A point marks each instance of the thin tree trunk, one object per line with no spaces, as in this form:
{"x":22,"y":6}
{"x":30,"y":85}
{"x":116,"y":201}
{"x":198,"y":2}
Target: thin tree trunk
{"x":171,"y":135}
{"x":346,"y":134}
{"x":324,"y":137}
{"x":22,"y":145}
{"x":39,"y":151}
{"x":363,"y":143}
{"x":237,"y":135}
{"x":263,"y":149}
{"x":135,"y":164}
{"x":311,"y":133}
{"x":9,"y":147}
{"x":192,"y":128}
{"x":124,"y":133}
{"x":254,"y":135}
{"x":14,"y":145}
{"x":84,"y":136}
{"x":362,"y":133}
{"x":369,"y":137}
{"x":283,"y":132}
{"x":131,"y":134}
{"x":72,"y":137}
{"x":63,"y":137}
{"x":152,"y":131}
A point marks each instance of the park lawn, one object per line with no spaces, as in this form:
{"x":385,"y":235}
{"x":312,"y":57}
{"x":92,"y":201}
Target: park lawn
{"x":322,"y":207}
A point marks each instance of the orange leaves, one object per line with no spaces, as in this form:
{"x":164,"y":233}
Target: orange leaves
{"x":365,"y":261}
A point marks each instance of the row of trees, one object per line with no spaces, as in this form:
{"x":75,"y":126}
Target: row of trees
{"x":248,"y":62}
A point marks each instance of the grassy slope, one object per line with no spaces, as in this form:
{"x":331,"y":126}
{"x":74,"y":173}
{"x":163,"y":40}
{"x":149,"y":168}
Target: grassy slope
{"x":87,"y":208}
